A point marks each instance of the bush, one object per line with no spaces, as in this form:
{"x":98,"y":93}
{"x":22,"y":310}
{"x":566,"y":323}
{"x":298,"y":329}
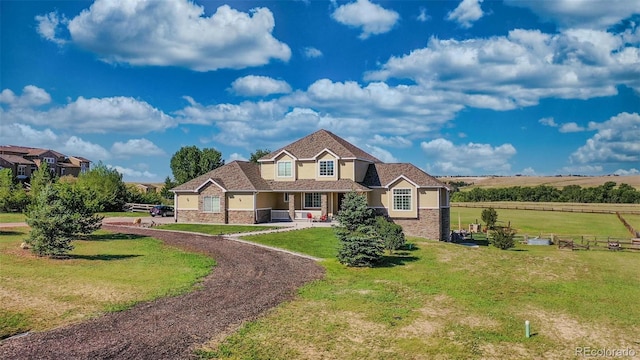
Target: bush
{"x":390,"y":233}
{"x":503,"y":238}
{"x":490,"y":217}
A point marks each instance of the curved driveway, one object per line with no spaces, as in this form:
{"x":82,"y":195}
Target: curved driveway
{"x":247,"y":281}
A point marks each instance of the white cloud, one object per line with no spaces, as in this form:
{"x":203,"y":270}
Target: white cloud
{"x":136,"y":147}
{"x":393,"y":141}
{"x":616,"y":141}
{"x":571,"y":127}
{"x":529,"y":171}
{"x":423,"y":17}
{"x":27,"y":136}
{"x":253,"y":85}
{"x":131,"y":174}
{"x":76,"y":146}
{"x":583,"y":170}
{"x":624,"y":172}
{"x":382,"y":154}
{"x":548,"y":121}
{"x":31,"y":96}
{"x":581,"y":13}
{"x":48,"y":27}
{"x":450,"y":159}
{"x":95,"y":115}
{"x":372,"y":18}
{"x":468,"y":12}
{"x":173,"y":33}
{"x":236,"y":156}
{"x":507,"y":72}
{"x":311,"y":52}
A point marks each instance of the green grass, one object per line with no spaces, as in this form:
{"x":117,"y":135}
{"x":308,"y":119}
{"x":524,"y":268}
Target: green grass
{"x":446,"y":301}
{"x":107,"y":272}
{"x":20,"y":217}
{"x":215,"y":229}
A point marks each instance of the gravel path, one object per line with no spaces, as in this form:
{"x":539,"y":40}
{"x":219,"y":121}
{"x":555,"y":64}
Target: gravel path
{"x":247,"y":281}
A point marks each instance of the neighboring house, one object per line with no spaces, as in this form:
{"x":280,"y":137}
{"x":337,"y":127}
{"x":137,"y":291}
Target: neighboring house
{"x":310,"y":177}
{"x":59,"y":164}
{"x":147,"y":188}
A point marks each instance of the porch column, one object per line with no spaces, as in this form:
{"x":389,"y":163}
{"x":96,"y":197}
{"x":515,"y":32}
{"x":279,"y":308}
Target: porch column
{"x":323,"y":204}
{"x":292,"y":206}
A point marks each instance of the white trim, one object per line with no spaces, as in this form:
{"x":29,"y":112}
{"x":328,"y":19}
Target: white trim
{"x":175,"y":207}
{"x":428,"y":208}
{"x":186,"y":209}
{"x":240,"y":210}
{"x":285,"y":197}
{"x":265,"y":209}
{"x":280,"y":153}
{"x":220,"y":209}
{"x":402,"y":177}
{"x":209,"y":180}
{"x":304,"y":205}
{"x":327,"y":150}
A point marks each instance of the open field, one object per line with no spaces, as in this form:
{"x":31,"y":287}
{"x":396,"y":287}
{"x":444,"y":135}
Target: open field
{"x":20,"y":217}
{"x":445,"y":301}
{"x":556,"y":181}
{"x":107,"y":272}
{"x":553,"y":206}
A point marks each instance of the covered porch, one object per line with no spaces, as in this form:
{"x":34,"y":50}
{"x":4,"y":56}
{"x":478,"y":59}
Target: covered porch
{"x":306,"y":206}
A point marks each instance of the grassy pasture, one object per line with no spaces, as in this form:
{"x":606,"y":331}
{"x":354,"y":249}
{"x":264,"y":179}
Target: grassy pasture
{"x":20,"y":217}
{"x":555,"y":181}
{"x":439,"y":300}
{"x":107,"y":272}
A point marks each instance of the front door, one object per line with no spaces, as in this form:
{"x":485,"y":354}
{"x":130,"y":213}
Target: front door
{"x":340,"y":199}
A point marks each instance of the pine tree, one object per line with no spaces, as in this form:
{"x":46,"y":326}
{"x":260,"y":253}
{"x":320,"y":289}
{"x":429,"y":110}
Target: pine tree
{"x":360,"y":244}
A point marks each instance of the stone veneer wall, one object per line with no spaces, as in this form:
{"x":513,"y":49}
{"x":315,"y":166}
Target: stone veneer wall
{"x":241,"y":217}
{"x":431,"y":223}
{"x":202,"y":217}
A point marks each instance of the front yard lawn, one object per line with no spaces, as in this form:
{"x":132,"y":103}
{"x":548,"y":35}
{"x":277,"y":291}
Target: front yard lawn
{"x":215,"y":229}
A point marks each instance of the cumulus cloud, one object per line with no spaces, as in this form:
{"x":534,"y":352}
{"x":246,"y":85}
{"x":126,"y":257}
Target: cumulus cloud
{"x":48,"y":27}
{"x":31,"y":96}
{"x":311,"y":52}
{"x":507,"y":72}
{"x":94,"y":115}
{"x":447,"y":158}
{"x":571,"y":127}
{"x":236,"y":156}
{"x":468,"y":12}
{"x":581,"y":13}
{"x":528,"y":171}
{"x":624,"y":172}
{"x":583,"y":170}
{"x":253,"y":85}
{"x":382,"y":154}
{"x":616,"y":141}
{"x":136,"y":147}
{"x":393,"y":141}
{"x":548,"y":121}
{"x":77,"y":146}
{"x":132,"y":174}
{"x":172,"y":33}
{"x":372,"y":18}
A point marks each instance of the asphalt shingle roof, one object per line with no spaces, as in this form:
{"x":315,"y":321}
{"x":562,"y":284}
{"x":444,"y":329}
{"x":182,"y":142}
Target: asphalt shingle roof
{"x":382,"y":174}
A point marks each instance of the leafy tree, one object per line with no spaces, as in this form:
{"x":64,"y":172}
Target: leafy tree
{"x":189,"y":162}
{"x":258,"y":154}
{"x":12,"y":195}
{"x":103,"y":188}
{"x":58,"y":215}
{"x":490,"y":217}
{"x":360,"y":244}
{"x":39,"y":179}
{"x":503,"y":238}
{"x":135,"y":195}
{"x":391,"y":234}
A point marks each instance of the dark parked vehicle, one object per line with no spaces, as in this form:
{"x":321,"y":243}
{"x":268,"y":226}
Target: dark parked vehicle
{"x":161,"y":210}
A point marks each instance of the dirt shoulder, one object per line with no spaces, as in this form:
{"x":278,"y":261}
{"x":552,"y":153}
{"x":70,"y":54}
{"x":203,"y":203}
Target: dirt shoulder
{"x":247,"y":281}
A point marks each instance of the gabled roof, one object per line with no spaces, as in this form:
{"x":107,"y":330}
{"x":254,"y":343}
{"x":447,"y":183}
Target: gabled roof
{"x":234,"y":176}
{"x":342,"y":185}
{"x":383,"y":175}
{"x":27,"y":151}
{"x":311,"y":145}
{"x":15,"y":159}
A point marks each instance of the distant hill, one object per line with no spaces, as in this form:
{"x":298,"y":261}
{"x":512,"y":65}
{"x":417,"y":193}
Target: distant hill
{"x":530,"y":181}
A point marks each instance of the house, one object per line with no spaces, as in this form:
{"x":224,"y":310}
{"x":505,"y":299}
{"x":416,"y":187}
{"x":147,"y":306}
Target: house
{"x":310,"y":177}
{"x":25,"y":160}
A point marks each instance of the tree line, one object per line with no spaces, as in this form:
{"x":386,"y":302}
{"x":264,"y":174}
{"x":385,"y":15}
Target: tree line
{"x":609,"y":192}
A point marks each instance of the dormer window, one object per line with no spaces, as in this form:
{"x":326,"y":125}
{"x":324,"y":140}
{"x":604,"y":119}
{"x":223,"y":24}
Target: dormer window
{"x":50,"y":160}
{"x":326,"y":167}
{"x":284,"y":169}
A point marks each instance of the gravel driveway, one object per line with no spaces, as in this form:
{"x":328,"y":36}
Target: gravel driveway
{"x":247,"y":281}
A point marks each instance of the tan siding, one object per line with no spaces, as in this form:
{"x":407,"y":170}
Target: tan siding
{"x":265,"y":200}
{"x":306,"y":170}
{"x":284,"y":157}
{"x":237,"y":201}
{"x":403,"y":184}
{"x":346,"y":170}
{"x":361,"y":170}
{"x":267,"y":170}
{"x":378,"y":198}
{"x":428,"y":198}
{"x":187,"y":202}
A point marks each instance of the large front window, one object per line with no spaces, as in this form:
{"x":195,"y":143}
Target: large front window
{"x":211,"y":204}
{"x":312,"y":200}
{"x":326,"y":167}
{"x":402,"y":199}
{"x":22,"y":170}
{"x":284,"y":169}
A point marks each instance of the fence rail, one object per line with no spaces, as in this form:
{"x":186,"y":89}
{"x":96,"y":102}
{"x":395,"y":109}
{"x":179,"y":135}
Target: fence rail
{"x":544,"y":208}
{"x":131,"y":207}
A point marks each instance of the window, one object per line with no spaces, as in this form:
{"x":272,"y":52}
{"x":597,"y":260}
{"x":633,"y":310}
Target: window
{"x":286,"y":197}
{"x":50,"y":160}
{"x":22,"y":170}
{"x":284,"y":169}
{"x":83,"y":167}
{"x":211,"y":204}
{"x":62,"y":171}
{"x":402,"y":199}
{"x":326,"y":167}
{"x":312,"y":200}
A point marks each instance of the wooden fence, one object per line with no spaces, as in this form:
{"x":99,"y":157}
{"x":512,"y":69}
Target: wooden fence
{"x":131,"y":207}
{"x":481,"y":205}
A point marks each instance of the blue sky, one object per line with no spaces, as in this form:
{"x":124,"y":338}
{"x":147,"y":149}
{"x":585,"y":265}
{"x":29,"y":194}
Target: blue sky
{"x":466,"y":87}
